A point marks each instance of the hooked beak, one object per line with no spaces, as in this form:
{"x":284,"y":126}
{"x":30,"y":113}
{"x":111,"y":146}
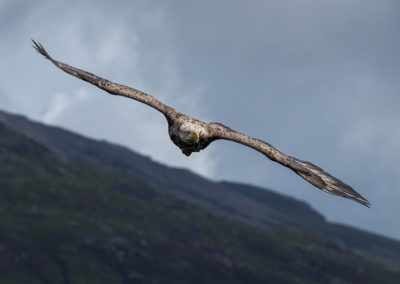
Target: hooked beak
{"x":194,"y":136}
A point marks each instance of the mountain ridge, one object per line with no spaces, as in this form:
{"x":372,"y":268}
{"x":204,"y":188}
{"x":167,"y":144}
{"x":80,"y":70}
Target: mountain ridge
{"x":70,"y":147}
{"x":252,"y":205}
{"x":76,"y":210}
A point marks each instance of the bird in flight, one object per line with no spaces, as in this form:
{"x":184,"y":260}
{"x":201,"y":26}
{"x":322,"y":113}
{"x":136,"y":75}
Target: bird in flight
{"x":192,"y":135}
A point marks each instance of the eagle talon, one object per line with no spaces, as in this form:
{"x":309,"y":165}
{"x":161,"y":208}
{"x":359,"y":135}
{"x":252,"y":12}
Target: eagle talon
{"x":186,"y":152}
{"x":194,"y":136}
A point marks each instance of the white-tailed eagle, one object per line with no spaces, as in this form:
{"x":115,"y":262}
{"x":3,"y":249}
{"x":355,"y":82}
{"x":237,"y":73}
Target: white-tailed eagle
{"x":192,"y":135}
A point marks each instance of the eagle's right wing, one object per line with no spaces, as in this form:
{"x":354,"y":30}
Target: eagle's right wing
{"x":310,"y":172}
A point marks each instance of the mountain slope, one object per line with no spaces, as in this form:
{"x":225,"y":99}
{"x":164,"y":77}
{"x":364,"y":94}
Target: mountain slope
{"x":251,"y":204}
{"x":73,"y":148}
{"x":74,"y":210}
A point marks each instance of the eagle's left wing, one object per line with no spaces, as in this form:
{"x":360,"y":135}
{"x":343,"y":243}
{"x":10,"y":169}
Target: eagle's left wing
{"x":311,"y":173}
{"x":110,"y":87}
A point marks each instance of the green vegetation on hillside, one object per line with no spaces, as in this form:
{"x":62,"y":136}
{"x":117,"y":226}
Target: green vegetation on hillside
{"x":65,"y":223}
{"x":70,"y":215}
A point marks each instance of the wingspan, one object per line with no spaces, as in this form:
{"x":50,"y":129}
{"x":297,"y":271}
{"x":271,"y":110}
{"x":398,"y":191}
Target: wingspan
{"x":110,"y":87}
{"x":311,"y":173}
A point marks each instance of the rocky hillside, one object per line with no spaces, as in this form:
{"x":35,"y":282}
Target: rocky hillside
{"x":75,"y":210}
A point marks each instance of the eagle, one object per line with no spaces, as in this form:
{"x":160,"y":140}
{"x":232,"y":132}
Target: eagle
{"x":192,"y":135}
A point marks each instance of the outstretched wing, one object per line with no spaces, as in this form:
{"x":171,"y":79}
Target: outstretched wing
{"x":110,"y":87}
{"x":311,"y":173}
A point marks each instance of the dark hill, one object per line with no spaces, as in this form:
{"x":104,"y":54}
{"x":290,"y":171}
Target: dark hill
{"x":75,"y":210}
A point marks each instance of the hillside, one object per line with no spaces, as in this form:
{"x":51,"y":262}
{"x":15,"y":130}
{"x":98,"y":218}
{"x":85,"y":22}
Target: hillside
{"x":75,"y":210}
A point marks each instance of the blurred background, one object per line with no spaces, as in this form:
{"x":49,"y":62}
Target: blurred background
{"x":319,"y":80}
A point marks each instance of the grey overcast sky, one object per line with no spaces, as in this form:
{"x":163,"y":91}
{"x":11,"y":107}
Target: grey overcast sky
{"x":317,"y":79}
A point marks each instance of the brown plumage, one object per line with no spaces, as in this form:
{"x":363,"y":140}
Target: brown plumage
{"x":192,"y":135}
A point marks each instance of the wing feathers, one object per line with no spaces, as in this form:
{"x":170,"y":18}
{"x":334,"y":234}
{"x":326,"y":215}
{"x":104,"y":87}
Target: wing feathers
{"x":311,"y":173}
{"x":323,"y":180}
{"x":110,"y":87}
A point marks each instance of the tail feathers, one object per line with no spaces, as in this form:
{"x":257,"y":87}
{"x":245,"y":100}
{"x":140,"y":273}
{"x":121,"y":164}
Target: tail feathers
{"x":323,"y":180}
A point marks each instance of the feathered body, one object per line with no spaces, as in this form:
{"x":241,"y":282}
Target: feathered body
{"x":180,"y":126}
{"x":192,"y":135}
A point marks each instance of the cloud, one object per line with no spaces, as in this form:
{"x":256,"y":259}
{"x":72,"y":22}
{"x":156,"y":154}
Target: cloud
{"x":60,"y":103}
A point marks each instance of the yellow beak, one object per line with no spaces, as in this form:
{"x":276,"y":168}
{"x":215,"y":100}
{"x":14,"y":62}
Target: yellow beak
{"x":194,"y":136}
